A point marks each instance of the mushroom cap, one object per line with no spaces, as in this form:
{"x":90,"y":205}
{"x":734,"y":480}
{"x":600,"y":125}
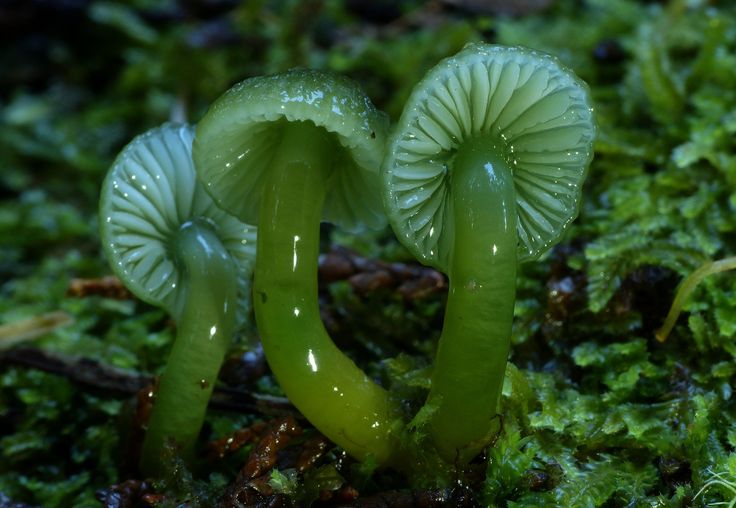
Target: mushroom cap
{"x":238,"y":136}
{"x":532,"y":106}
{"x":149,"y":193}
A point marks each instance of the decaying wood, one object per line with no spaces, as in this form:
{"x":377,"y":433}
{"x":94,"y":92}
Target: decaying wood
{"x":365,"y":275}
{"x":109,"y":287}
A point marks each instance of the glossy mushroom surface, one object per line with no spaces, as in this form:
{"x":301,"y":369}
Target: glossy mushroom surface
{"x":286,"y":152}
{"x":257,"y":120}
{"x":484,"y":169}
{"x":534,"y":111}
{"x":173,"y":248}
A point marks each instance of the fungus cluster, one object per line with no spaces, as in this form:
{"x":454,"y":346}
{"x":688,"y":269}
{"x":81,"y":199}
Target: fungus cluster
{"x":483,"y":169}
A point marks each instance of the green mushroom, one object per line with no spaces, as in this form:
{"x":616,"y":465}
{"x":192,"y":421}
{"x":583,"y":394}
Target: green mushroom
{"x":286,"y":152}
{"x":484,"y":170}
{"x":173,"y":248}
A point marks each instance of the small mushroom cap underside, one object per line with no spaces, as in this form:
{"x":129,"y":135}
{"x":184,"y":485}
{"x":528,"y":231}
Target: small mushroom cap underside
{"x":238,"y":137}
{"x":150,"y":192}
{"x":532,"y":106}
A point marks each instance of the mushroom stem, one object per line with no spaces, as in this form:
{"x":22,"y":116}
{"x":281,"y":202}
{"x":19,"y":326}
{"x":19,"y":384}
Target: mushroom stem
{"x":322,"y":382}
{"x":205,"y":329}
{"x":474,"y":345}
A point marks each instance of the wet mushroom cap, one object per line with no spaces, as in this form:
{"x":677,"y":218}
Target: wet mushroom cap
{"x":149,"y":193}
{"x":240,"y":134}
{"x":535,"y":110}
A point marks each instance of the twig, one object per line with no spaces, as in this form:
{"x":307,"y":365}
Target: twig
{"x":109,"y":287}
{"x":95,"y":375}
{"x":365,"y":275}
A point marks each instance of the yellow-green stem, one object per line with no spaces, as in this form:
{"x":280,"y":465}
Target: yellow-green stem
{"x":204,"y":332}
{"x":321,"y":381}
{"x":474,"y":345}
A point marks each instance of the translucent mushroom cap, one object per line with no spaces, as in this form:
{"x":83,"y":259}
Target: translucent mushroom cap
{"x":149,"y":193}
{"x":239,"y":135}
{"x":535,"y":109}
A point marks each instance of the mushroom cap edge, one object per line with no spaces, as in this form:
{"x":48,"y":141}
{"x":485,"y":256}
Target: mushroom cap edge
{"x":240,"y":129}
{"x":418,"y":163}
{"x":149,"y":192}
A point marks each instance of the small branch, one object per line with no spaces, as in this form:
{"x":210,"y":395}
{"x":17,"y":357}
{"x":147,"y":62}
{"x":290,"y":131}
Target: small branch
{"x":95,"y":375}
{"x":82,"y":371}
{"x":365,"y":275}
{"x":109,"y":287}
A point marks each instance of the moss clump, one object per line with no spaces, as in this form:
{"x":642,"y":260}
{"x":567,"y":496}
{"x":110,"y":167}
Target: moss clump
{"x":596,"y":413}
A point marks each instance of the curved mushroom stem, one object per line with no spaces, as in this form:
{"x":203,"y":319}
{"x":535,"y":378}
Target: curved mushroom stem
{"x":322,"y":382}
{"x":471,"y":357}
{"x":205,"y":329}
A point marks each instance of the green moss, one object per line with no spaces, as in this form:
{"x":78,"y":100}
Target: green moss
{"x":596,"y":412}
